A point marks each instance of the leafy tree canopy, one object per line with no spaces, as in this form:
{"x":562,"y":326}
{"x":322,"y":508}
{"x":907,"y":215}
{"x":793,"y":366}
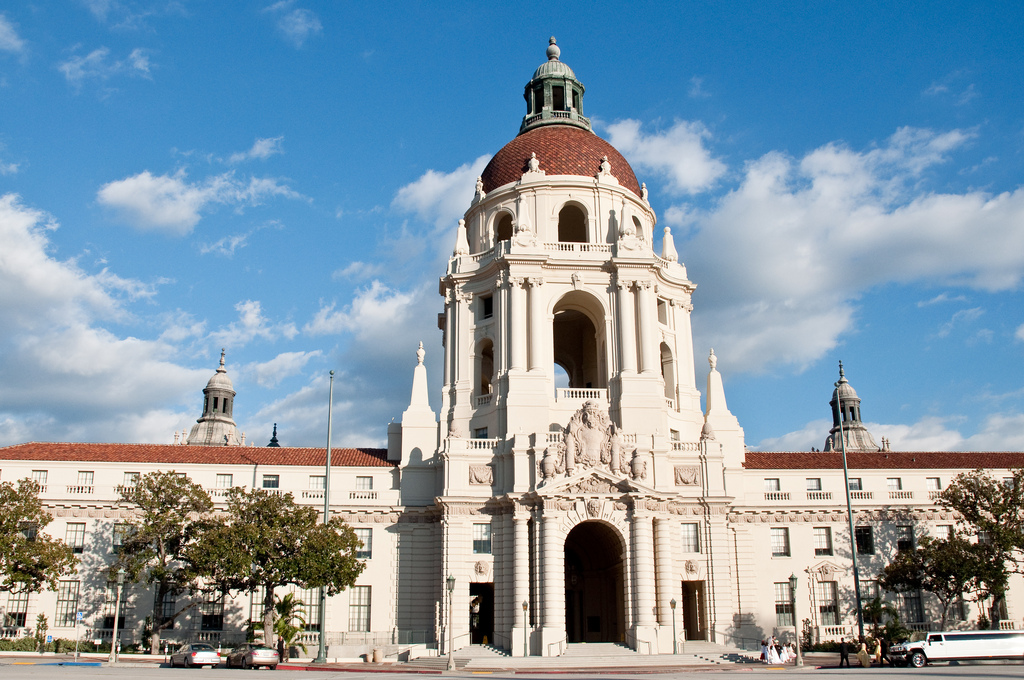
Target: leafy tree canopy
{"x":29,"y":559}
{"x":995,"y":507}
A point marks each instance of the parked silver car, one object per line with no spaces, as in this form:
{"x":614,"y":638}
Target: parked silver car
{"x":194,"y":655}
{"x":251,"y":656}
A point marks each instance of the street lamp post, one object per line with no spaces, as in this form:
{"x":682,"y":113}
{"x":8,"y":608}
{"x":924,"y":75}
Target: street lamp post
{"x":321,"y":656}
{"x":796,"y":628}
{"x":116,"y":638}
{"x":675,"y":638}
{"x":451,"y":639}
{"x":526,"y":629}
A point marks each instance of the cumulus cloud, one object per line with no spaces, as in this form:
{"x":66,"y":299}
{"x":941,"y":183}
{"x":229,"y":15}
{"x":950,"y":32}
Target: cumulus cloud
{"x":262,"y":149}
{"x":284,"y":365}
{"x":1019,"y":334}
{"x":172,"y":204}
{"x":296,"y":25}
{"x":678,"y":154}
{"x":251,"y":324}
{"x":98,"y":65}
{"x":368,"y":317}
{"x":786,"y":253}
{"x":358,"y":271}
{"x":441,"y":197}
{"x":10,"y":41}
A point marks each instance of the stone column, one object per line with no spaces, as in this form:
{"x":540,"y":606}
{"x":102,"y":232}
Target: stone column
{"x":666,"y":578}
{"x":536,"y":302}
{"x":650,"y":357}
{"x":627,"y":331}
{"x":521,"y":574}
{"x":643,"y":569}
{"x":553,"y":557}
{"x":449,"y":342}
{"x":517,"y":324}
{"x":464,"y":345}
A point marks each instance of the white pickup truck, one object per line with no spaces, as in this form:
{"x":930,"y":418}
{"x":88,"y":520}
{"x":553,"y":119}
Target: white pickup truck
{"x":956,"y":645}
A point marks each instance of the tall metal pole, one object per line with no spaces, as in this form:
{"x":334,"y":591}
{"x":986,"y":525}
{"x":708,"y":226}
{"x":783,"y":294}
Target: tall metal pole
{"x":675,"y":637}
{"x":117,"y":611}
{"x":796,"y":626}
{"x":849,"y":508}
{"x":451,"y":613}
{"x":321,"y":656}
{"x":526,"y":629}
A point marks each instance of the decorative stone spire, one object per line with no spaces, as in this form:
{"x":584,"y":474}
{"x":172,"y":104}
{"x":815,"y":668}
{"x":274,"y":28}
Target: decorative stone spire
{"x":273,"y":440}
{"x":216,"y":427}
{"x":668,"y":247}
{"x":846,"y":418}
{"x":554,"y":96}
{"x":419,"y":411}
{"x":461,"y":241}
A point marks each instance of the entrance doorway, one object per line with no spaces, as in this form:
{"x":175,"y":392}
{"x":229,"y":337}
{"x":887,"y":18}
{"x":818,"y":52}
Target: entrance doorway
{"x":693,"y":610}
{"x":481,"y":613}
{"x":594,"y":593}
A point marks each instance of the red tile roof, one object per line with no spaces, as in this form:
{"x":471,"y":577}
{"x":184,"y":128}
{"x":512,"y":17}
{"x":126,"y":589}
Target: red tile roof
{"x":561,"y":150}
{"x":180,"y":455}
{"x":882,"y":460}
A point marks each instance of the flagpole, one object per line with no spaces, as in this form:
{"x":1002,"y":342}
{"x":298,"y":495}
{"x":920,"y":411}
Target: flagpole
{"x":321,"y":656}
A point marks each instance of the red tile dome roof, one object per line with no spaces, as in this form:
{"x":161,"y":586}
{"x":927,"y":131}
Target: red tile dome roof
{"x":561,"y":150}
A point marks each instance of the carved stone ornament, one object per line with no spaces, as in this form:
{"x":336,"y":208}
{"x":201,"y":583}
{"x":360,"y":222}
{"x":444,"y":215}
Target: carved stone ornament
{"x":687,"y":475}
{"x":533,"y":170}
{"x":524,"y":234}
{"x":827,"y":570}
{"x":594,"y":507}
{"x":592,"y":485}
{"x":481,"y":474}
{"x":691,"y":567}
{"x":480,"y":568}
{"x":592,"y":440}
{"x":455,"y":430}
{"x":638,"y":467}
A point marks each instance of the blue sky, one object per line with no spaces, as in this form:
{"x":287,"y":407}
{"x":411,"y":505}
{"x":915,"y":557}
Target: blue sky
{"x":843,"y":181}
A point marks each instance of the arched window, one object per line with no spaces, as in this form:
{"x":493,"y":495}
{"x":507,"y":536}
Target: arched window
{"x":638,"y":227}
{"x":579,"y":342}
{"x":503,"y":231}
{"x":485,"y":370}
{"x":668,"y":371}
{"x":572,"y":225}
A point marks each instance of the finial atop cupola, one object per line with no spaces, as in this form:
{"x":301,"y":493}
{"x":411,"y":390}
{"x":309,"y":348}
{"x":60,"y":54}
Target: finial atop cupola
{"x":553,"y":50}
{"x":273,"y":439}
{"x":221,"y":368}
{"x":842,"y":375}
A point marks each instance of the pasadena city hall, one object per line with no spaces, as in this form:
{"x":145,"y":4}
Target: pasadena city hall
{"x":613,"y":508}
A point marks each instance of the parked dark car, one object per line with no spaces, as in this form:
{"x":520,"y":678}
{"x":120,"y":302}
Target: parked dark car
{"x":252,"y":656}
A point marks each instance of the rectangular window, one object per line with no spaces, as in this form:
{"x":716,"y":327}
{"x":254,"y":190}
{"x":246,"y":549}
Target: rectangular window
{"x":558,"y":98}
{"x":39,"y":477}
{"x":1008,"y":482}
{"x":944,"y":532}
{"x":17,"y":609}
{"x":663,"y":312}
{"x":364,"y":483}
{"x":317,"y":482}
{"x":772,"y":484}
{"x":691,"y":538}
{"x":910,"y":604}
{"x":310,"y":600}
{"x":868,"y":591}
{"x":894,"y":484}
{"x":822,"y":541}
{"x":225,"y":481}
{"x":167,"y":604}
{"x":131,"y":479}
{"x":780,"y":542}
{"x":783,"y":605}
{"x":904,"y":538}
{"x":855,"y":484}
{"x":29,"y":530}
{"x":480,"y":433}
{"x":119,"y":533}
{"x":271,"y":481}
{"x":212,"y":610}
{"x":365,"y":536}
{"x":933,"y":484}
{"x":74,"y":536}
{"x":85,"y":477}
{"x":814,"y":484}
{"x":486,"y":307}
{"x":957,"y":610}
{"x":865,"y":539}
{"x":67,"y":604}
{"x":828,"y":603}
{"x":359,"y":608}
{"x":481,"y":539}
{"x":984,"y":538}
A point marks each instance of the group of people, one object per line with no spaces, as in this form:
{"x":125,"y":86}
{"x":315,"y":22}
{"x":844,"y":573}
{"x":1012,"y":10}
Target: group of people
{"x":879,"y":653}
{"x":774,"y":652}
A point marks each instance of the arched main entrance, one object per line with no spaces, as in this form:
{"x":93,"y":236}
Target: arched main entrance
{"x":594,"y":593}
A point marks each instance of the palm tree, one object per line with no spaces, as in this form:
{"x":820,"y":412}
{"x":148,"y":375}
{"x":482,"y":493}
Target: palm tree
{"x":876,"y":610}
{"x":289,"y":622}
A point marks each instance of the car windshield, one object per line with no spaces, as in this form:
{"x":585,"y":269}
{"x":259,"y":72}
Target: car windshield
{"x":202,"y":647}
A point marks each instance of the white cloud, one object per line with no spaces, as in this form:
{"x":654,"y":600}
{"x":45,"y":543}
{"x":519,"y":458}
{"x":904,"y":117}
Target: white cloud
{"x":940,"y":298}
{"x":358,"y":271}
{"x":171,"y":204}
{"x":284,"y":365}
{"x":960,"y":317}
{"x":786,"y":253}
{"x":441,"y":197}
{"x":1019,"y":334}
{"x":810,"y":435}
{"x":251,"y":324}
{"x":262,"y":148}
{"x":78,"y":68}
{"x":225,"y":246}
{"x":373,"y":315}
{"x":697,"y":90}
{"x":10,"y":41}
{"x":677,"y":154}
{"x":8,"y":168}
{"x":296,"y":25}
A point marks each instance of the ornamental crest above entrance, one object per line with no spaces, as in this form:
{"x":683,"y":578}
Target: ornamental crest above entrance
{"x":590,"y":441}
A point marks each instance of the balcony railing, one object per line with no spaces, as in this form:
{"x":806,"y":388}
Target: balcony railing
{"x":776,"y":495}
{"x":900,"y":495}
{"x":819,"y":495}
{"x":562,"y":247}
{"x":934,"y":495}
{"x":1007,"y":624}
{"x":686,"y":446}
{"x":581,"y":393}
{"x":362,"y":495}
{"x":484,"y":400}
{"x":670,"y":403}
{"x":313,"y":494}
{"x":862,"y":495}
{"x":80,"y":489}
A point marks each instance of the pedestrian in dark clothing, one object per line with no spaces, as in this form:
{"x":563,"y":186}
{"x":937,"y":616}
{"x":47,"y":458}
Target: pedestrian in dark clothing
{"x":885,"y":654}
{"x":844,"y":652}
{"x":280,"y":648}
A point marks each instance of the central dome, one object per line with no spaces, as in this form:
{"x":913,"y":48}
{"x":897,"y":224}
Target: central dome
{"x":561,"y":150}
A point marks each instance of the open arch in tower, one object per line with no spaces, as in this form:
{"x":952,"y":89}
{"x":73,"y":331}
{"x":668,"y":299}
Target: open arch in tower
{"x":503,"y":227}
{"x":572,"y":224}
{"x":595,"y":596}
{"x":484,"y":366}
{"x":579,"y":341}
{"x":668,"y":371}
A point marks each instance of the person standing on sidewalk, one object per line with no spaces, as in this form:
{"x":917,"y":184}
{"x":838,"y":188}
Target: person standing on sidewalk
{"x":844,"y":652}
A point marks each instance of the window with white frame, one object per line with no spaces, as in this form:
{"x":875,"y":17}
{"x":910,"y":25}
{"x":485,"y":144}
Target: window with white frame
{"x":828,"y":603}
{"x":855,"y":485}
{"x":365,"y":536}
{"x":110,"y":604}
{"x":225,"y":481}
{"x":944,"y":532}
{"x":904,"y":538}
{"x":822,"y":541}
{"x":317,"y":482}
{"x":780,"y":541}
{"x":119,"y":532}
{"x":74,"y":536}
{"x":130,"y":479}
{"x":359,"y":608}
{"x":691,"y":537}
{"x":868,"y":591}
{"x":772,"y":484}
{"x":783,"y":605}
{"x":39,"y":477}
{"x":17,"y":609}
{"x":271,"y":481}
{"x":814,"y":483}
{"x":212,"y":611}
{"x":933,"y":484}
{"x":481,"y":539}
{"x":894,"y":484}
{"x":85,"y":477}
{"x":67,"y":604}
{"x":910,"y":605}
{"x":364,"y":483}
{"x":310,"y":600}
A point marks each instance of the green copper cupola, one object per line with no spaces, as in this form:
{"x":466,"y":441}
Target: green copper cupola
{"x":554,"y":96}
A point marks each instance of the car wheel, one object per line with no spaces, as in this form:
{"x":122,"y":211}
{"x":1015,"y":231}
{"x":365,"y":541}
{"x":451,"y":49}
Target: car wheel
{"x":917,"y":659}
{"x":245,"y":663}
{"x":273,"y":667}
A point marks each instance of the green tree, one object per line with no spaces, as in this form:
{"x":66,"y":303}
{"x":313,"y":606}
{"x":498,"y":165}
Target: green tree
{"x":29,"y":559}
{"x":876,"y":611}
{"x":945,"y":568}
{"x":266,"y":541}
{"x":41,"y":627}
{"x":172,"y":511}
{"x":290,"y":620}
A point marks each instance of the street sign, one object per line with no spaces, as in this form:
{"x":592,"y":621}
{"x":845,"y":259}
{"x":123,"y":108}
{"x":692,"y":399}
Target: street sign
{"x":49,"y":639}
{"x":78,"y":616}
